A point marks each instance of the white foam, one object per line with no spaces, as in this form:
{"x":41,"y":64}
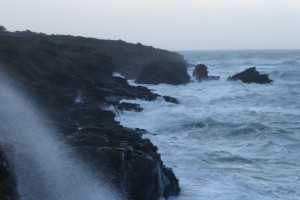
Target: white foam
{"x":227,"y":140}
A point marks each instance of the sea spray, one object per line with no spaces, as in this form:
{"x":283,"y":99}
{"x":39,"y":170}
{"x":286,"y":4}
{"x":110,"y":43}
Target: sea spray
{"x":45,"y":167}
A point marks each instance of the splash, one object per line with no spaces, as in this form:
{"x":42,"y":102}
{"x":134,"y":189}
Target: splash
{"x":45,"y":166}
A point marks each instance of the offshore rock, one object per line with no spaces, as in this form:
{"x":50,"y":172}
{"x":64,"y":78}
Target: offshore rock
{"x":164,"y":72}
{"x":171,"y":99}
{"x":201,"y":74}
{"x":250,"y":75}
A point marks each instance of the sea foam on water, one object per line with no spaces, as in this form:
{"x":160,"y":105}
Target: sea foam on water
{"x":230,"y":140}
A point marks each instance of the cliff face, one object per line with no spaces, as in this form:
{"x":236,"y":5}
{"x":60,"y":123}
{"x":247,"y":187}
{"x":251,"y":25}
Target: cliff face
{"x":71,"y":79}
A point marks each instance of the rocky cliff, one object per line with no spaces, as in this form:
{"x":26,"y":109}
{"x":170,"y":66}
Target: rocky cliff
{"x":71,"y":79}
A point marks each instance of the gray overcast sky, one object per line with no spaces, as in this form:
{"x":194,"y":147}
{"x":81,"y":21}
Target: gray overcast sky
{"x":168,"y":24}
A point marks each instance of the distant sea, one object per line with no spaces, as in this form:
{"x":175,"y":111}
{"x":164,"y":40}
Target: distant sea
{"x":230,"y":140}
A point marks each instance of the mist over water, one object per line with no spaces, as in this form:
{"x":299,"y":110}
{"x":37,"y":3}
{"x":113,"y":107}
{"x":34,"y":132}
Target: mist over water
{"x":45,"y":167}
{"x":230,"y":140}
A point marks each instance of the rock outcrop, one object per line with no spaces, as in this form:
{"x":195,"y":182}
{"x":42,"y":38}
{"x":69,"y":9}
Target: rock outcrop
{"x":201,"y":74}
{"x":250,"y":75}
{"x":124,"y":152}
{"x":72,"y":82}
{"x":164,"y":72}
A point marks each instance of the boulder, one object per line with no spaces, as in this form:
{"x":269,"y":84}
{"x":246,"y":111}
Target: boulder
{"x":250,"y":75}
{"x":164,"y":72}
{"x":201,"y":74}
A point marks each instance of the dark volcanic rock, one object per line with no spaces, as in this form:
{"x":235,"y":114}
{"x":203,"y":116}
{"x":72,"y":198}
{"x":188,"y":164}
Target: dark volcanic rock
{"x":201,"y":74}
{"x":124,"y":152}
{"x":7,"y":179}
{"x":164,"y":72}
{"x":72,"y":81}
{"x":250,"y":75}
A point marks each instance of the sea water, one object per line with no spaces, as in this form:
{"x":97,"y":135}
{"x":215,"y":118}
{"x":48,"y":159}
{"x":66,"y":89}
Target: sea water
{"x":230,"y":140}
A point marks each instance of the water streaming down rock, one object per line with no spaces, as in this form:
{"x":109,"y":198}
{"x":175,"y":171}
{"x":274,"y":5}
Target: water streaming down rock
{"x":45,"y":167}
{"x":160,"y":180}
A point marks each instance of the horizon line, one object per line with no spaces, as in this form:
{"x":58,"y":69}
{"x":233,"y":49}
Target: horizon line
{"x":250,"y":49}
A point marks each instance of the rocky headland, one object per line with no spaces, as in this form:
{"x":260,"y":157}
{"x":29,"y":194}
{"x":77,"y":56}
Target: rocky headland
{"x":71,"y":79}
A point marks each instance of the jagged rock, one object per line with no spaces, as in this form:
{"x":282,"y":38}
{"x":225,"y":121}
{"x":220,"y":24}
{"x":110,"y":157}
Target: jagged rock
{"x":250,"y":75}
{"x":122,"y":151}
{"x":201,"y":74}
{"x":164,"y":72}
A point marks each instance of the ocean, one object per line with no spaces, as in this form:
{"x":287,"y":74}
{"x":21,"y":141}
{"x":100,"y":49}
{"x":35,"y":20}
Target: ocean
{"x":229,"y":140}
